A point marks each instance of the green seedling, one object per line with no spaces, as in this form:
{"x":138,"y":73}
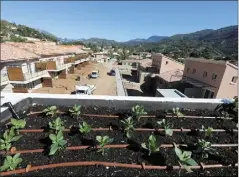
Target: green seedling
{"x":205,"y":149}
{"x":17,"y":124}
{"x":208,"y":131}
{"x":7,"y":139}
{"x":167,"y":127}
{"x":138,"y":111}
{"x":128,"y":126}
{"x":51,"y":110}
{"x":57,"y":125}
{"x":84,"y":128}
{"x":176,"y":111}
{"x":58,"y":142}
{"x":184,"y":158}
{"x":102,"y":142}
{"x":152,"y":145}
{"x":11,"y":163}
{"x":75,"y":111}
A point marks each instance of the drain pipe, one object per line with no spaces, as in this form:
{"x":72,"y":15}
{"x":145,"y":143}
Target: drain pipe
{"x":15,"y":115}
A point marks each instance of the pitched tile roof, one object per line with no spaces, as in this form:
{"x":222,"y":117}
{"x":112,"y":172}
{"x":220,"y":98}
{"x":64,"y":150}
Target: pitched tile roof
{"x":9,"y":52}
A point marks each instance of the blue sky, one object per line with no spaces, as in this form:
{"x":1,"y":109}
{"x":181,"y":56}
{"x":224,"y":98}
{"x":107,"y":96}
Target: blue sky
{"x":120,"y":21}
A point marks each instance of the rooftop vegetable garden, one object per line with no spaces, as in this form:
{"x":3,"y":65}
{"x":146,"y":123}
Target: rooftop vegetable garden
{"x":101,"y":141}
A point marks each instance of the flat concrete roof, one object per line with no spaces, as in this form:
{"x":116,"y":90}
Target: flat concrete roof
{"x":171,"y":93}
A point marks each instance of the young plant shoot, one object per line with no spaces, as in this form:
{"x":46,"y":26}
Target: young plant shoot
{"x":11,"y":163}
{"x":138,"y":111}
{"x":207,"y":131}
{"x":57,"y":125}
{"x":128,"y":126}
{"x":204,"y":148}
{"x":8,"y":137}
{"x":152,"y":146}
{"x":58,"y":142}
{"x":84,"y":128}
{"x":50,"y":111}
{"x":167,"y":127}
{"x":176,"y":111}
{"x":75,"y":111}
{"x":18,"y":124}
{"x":185,"y":158}
{"x":102,"y":142}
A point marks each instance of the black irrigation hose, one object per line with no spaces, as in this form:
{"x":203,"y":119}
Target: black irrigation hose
{"x":14,"y":114}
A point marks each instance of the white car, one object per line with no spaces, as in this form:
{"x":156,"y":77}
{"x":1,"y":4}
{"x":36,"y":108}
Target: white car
{"x":84,"y":89}
{"x":94,"y":74}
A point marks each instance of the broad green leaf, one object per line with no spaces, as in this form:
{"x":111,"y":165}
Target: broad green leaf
{"x":191,"y":162}
{"x":99,"y":138}
{"x":62,"y":142}
{"x":177,"y":151}
{"x":143,"y":145}
{"x":52,"y":137}
{"x":4,"y":167}
{"x":169,"y":132}
{"x":16,"y":138}
{"x":60,"y":135}
{"x":9,"y":158}
{"x":54,"y":148}
{"x":16,"y":156}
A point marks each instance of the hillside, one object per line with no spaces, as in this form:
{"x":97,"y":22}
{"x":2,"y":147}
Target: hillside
{"x":14,"y":32}
{"x":207,"y":43}
{"x":142,"y":40}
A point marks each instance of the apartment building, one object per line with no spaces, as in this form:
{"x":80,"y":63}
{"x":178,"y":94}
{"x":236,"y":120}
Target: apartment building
{"x":27,"y":66}
{"x":210,"y":78}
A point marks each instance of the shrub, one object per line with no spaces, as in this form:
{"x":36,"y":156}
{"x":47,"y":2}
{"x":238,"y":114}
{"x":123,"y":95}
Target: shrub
{"x":184,"y":158}
{"x":8,"y":137}
{"x":176,"y":111}
{"x":102,"y":142}
{"x":84,"y":128}
{"x":17,"y":124}
{"x":204,"y":148}
{"x":58,"y":142}
{"x":207,"y":131}
{"x":138,"y":111}
{"x":57,"y":125}
{"x":11,"y":163}
{"x":167,"y":127}
{"x":75,"y":111}
{"x":51,"y":110}
{"x":128,"y":126}
{"x":152,"y":145}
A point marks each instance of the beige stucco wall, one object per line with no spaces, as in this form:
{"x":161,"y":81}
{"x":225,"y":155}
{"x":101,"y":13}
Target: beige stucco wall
{"x":200,"y":67}
{"x":164,"y":64}
{"x":227,"y":88}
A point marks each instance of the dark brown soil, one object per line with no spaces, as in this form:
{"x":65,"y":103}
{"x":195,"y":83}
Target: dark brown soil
{"x":133,"y":153}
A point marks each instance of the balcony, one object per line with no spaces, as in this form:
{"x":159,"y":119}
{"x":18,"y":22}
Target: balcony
{"x":54,"y":66}
{"x":33,"y":76}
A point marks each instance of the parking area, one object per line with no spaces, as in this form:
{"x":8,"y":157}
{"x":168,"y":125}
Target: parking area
{"x":105,"y":84}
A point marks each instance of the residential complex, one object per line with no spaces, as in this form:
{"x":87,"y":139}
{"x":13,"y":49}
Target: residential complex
{"x":196,"y":77}
{"x":27,"y":66}
{"x":210,"y":78}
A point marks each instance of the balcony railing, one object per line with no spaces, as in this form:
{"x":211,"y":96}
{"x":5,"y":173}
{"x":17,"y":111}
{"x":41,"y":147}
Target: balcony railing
{"x":58,"y":67}
{"x":28,"y":76}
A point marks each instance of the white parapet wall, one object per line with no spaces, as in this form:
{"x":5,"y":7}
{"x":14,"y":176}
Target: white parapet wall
{"x":23,"y":101}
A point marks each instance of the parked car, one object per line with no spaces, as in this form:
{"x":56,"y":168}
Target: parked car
{"x":94,"y":74}
{"x":84,"y":89}
{"x":112,"y":72}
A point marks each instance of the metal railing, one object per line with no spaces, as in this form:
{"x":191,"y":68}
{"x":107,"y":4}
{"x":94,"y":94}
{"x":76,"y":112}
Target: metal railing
{"x":28,"y":76}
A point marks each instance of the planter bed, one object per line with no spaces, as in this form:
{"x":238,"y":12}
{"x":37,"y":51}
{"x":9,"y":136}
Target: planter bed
{"x":36,"y":132}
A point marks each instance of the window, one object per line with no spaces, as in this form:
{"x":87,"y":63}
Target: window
{"x":234,"y":79}
{"x":188,"y":69}
{"x":204,"y":74}
{"x":214,"y":76}
{"x":194,"y":71}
